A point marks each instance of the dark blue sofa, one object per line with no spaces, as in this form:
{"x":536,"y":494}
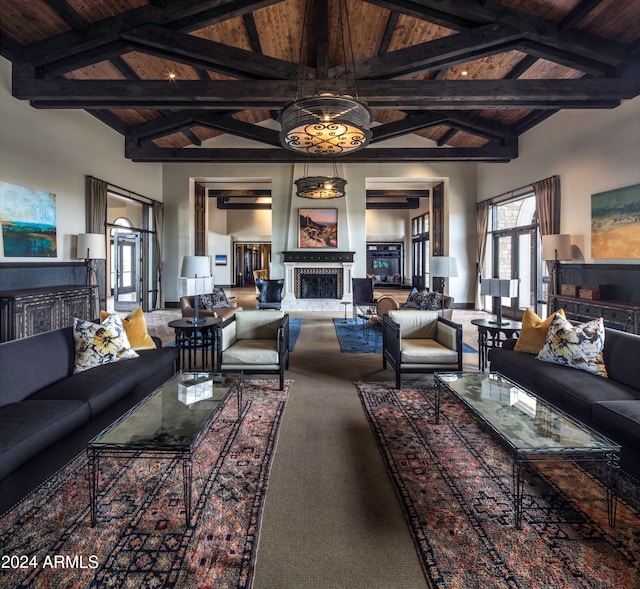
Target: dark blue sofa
{"x":48,"y":414}
{"x":609,"y":405}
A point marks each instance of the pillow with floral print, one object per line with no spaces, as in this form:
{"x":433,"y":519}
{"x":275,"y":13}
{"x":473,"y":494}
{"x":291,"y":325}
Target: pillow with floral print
{"x":423,"y":300}
{"x":578,"y":346}
{"x":216,"y":300}
{"x":100,"y":343}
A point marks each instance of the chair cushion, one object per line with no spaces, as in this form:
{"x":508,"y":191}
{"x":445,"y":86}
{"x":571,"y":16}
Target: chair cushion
{"x":28,"y":427}
{"x":252,"y":352}
{"x":258,"y":324}
{"x":426,"y":351}
{"x":416,"y":324}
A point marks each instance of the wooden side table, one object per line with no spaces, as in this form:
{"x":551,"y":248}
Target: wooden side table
{"x":191,"y":337}
{"x":489,"y":336}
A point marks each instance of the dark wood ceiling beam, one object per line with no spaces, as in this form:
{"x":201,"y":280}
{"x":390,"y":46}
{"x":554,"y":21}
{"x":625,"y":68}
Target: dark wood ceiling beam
{"x":407,"y":203}
{"x":487,"y":153}
{"x":420,"y":11}
{"x":68,"y":14}
{"x":583,"y":64}
{"x":111,"y":120}
{"x":398,"y":193}
{"x":394,"y":15}
{"x":436,"y":54}
{"x":531,"y":120}
{"x":224,"y":204}
{"x":59,"y":67}
{"x":238,"y":193}
{"x":186,"y":15}
{"x":322,"y":39}
{"x":447,"y":137}
{"x":124,"y":68}
{"x":192,"y":137}
{"x":209,"y":54}
{"x":537,"y":29}
{"x":268,"y":94}
{"x":239,"y":128}
{"x":477,"y":125}
{"x":409,"y":124}
{"x":252,"y":32}
{"x":522,"y":66}
{"x":578,"y":13}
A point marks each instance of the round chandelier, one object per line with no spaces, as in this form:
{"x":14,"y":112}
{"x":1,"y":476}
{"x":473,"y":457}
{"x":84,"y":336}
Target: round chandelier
{"x":320,"y":187}
{"x":325,"y":125}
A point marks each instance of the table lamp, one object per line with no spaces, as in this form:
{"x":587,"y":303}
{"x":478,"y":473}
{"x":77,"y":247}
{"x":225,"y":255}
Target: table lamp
{"x":90,"y":247}
{"x":197,"y":271}
{"x":498,"y":288}
{"x":443,"y":267}
{"x":556,"y":248}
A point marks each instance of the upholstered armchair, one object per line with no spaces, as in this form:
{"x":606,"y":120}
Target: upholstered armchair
{"x":254,"y":342}
{"x":269,"y":293}
{"x":420,"y":341}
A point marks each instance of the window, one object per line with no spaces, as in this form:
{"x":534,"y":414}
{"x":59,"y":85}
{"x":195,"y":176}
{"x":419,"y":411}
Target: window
{"x":420,"y":250}
{"x":514,"y":252}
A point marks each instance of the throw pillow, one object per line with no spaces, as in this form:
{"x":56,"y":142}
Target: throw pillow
{"x":534,"y":331}
{"x":100,"y":343}
{"x":216,"y":300}
{"x":579,"y":346}
{"x":136,"y":328}
{"x":424,"y":300}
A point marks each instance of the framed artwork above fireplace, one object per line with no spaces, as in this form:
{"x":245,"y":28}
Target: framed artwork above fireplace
{"x":318,"y":228}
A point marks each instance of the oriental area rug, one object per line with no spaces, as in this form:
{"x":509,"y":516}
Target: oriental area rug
{"x":454,"y":481}
{"x":140,"y":539}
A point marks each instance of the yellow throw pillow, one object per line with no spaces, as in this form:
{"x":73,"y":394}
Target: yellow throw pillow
{"x":534,"y":331}
{"x":136,"y":329}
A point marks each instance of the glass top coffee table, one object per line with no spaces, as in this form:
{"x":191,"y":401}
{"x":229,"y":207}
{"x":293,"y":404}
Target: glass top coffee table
{"x":533,"y":429}
{"x":166,"y":424}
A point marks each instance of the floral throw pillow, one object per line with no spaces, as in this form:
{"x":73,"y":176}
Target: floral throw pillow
{"x":100,"y":343}
{"x":578,"y":346}
{"x":424,"y":300}
{"x":216,"y":300}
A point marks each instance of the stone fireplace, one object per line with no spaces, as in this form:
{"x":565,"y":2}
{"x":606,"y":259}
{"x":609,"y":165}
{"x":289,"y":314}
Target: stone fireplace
{"x":317,"y":281}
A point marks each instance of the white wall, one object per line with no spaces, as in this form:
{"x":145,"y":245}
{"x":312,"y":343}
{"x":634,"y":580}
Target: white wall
{"x":53,"y":150}
{"x":591,"y":151}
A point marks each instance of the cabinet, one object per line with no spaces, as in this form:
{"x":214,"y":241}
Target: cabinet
{"x":30,"y":311}
{"x":385,"y":263}
{"x":621,"y":315}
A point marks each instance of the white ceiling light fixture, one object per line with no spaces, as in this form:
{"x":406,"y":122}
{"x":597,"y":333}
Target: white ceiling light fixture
{"x":327,"y":124}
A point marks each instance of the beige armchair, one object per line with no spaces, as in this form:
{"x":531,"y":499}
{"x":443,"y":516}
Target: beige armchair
{"x":420,"y":341}
{"x":254,"y":342}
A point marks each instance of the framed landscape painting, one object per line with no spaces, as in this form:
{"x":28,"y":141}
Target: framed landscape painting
{"x":318,"y":228}
{"x":615,"y":223}
{"x":27,"y":222}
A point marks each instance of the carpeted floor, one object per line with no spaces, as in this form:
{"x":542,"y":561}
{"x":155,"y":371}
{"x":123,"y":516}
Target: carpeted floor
{"x":454,"y":481}
{"x":140,"y":538}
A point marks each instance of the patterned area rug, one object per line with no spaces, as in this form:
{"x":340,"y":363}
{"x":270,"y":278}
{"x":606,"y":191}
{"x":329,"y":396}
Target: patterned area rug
{"x":140,"y":538}
{"x":454,"y":480}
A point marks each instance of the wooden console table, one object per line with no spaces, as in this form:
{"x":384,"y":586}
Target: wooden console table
{"x":622,"y":315}
{"x":30,"y":311}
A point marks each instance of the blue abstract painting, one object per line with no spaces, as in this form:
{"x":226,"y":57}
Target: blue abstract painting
{"x":27,"y":222}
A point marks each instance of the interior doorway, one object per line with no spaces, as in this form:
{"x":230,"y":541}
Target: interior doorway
{"x":249,"y":257}
{"x":126,"y":270}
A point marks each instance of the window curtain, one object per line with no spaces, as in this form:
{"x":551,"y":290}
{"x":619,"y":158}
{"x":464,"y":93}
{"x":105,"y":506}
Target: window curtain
{"x":158,"y":222}
{"x":547,"y":193}
{"x":482,"y":228}
{"x":96,"y":222}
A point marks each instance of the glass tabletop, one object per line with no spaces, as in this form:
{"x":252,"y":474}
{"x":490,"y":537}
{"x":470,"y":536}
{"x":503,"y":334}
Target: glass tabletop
{"x":172,"y":417}
{"x":526,"y":422}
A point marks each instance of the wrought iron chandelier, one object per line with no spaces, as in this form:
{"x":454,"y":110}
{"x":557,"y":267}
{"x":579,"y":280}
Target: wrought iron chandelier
{"x":320,"y":187}
{"x":327,"y":124}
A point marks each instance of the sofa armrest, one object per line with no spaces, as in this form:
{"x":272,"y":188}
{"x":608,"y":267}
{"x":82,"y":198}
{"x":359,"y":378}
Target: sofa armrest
{"x":227,"y":333}
{"x":157,"y":341}
{"x":449,"y":334}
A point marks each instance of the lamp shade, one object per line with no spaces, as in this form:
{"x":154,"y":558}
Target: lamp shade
{"x":443,"y":267}
{"x":91,"y":246}
{"x":195,"y":267}
{"x":556,"y":247}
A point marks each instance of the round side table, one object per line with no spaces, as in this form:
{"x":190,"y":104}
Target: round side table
{"x":489,"y":336}
{"x":191,"y":337}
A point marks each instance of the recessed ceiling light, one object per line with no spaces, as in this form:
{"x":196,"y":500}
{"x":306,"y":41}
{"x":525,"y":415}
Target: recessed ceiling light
{"x":464,"y":73}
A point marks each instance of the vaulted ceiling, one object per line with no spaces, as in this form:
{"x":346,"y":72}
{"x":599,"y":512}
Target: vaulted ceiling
{"x":466,"y":77}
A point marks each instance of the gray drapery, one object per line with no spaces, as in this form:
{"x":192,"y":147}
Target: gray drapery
{"x":158,"y":221}
{"x":482,"y":227}
{"x":96,"y":222}
{"x":547,"y":193}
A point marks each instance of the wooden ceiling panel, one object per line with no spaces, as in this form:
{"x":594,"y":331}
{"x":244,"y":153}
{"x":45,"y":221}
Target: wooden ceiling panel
{"x":104,"y":70}
{"x":434,"y":133}
{"x":410,"y":31}
{"x":463,"y":139}
{"x":231,"y":32}
{"x":279,"y":29}
{"x":252,"y":116}
{"x":30,"y":22}
{"x":554,"y":10}
{"x":507,"y":116}
{"x":614,"y":19}
{"x":494,"y":67}
{"x":548,"y":70}
{"x":136,"y":116}
{"x":204,"y":133}
{"x":150,"y":67}
{"x":96,"y":10}
{"x":173,"y":141}
{"x":384,"y":116}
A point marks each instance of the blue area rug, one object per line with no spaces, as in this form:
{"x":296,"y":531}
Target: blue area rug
{"x":295,"y":323}
{"x":354,"y":340}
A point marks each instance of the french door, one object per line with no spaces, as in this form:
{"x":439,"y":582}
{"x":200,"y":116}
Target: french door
{"x":126,"y":270}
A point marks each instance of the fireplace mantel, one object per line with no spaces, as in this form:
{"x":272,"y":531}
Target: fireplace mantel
{"x":318,"y":256}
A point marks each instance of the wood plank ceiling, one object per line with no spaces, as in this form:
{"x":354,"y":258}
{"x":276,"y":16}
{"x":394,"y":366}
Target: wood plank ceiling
{"x":468,"y":75}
